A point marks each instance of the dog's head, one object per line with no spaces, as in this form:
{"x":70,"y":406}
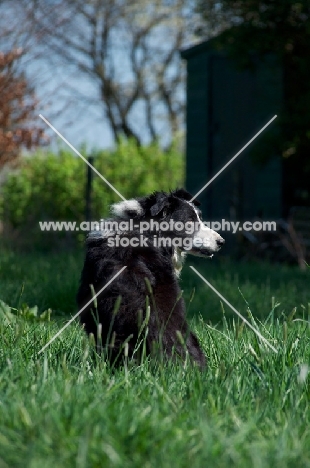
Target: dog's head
{"x":177,"y":207}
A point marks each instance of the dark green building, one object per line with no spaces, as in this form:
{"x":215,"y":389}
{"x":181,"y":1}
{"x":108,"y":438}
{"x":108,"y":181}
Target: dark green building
{"x":226,"y":106}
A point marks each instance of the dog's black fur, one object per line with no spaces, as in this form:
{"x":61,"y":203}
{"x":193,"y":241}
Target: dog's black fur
{"x":150,"y":277}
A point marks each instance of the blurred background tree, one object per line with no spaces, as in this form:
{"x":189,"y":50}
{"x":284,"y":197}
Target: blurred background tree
{"x":128,"y":51}
{"x":19,"y":127}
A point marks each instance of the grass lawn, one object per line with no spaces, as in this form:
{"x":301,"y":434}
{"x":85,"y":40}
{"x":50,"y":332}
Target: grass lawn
{"x":65,"y":408}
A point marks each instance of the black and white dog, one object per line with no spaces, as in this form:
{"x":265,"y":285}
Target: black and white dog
{"x":150,"y":236}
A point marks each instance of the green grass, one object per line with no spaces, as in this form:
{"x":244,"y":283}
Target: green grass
{"x":66,"y":408}
{"x":50,"y":281}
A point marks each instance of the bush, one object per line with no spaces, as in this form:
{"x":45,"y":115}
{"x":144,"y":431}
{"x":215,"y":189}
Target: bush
{"x":51,"y":186}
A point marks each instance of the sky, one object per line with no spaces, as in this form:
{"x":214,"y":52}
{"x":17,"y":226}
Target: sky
{"x":70,"y":100}
{"x":63,"y":95}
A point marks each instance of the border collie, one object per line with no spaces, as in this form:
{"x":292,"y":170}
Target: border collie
{"x":158,"y":230}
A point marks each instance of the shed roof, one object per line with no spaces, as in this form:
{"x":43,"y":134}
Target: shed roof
{"x":205,"y":46}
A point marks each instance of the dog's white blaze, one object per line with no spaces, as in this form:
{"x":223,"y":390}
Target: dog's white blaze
{"x":119,"y":209}
{"x":207,"y":236}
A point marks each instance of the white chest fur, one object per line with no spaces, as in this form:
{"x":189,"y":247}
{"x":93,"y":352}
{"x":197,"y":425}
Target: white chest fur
{"x":178,"y":258}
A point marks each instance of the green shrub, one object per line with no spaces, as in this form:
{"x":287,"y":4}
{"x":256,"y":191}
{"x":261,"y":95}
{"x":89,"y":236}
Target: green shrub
{"x":51,"y":186}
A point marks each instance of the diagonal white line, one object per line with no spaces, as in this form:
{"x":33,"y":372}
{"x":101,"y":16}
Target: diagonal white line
{"x":81,"y":310}
{"x":232,"y":159}
{"x":82,"y":157}
{"x":236,"y":311}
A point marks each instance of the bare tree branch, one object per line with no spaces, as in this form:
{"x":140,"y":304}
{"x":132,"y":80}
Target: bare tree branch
{"x":129,"y":49}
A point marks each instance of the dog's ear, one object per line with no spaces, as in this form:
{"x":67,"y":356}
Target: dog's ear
{"x":160,"y":204}
{"x":185,"y":195}
{"x":182,"y":193}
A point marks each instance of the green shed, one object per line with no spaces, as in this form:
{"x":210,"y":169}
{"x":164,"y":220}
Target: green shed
{"x":226,"y":106}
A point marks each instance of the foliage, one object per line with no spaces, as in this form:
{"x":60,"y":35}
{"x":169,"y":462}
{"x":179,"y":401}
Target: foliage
{"x":66,"y":407}
{"x":10,"y":315}
{"x":252,"y":31}
{"x":17,"y":109}
{"x":51,"y":186}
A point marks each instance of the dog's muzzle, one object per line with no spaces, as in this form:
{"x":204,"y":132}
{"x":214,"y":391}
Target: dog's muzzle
{"x":206,"y":242}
